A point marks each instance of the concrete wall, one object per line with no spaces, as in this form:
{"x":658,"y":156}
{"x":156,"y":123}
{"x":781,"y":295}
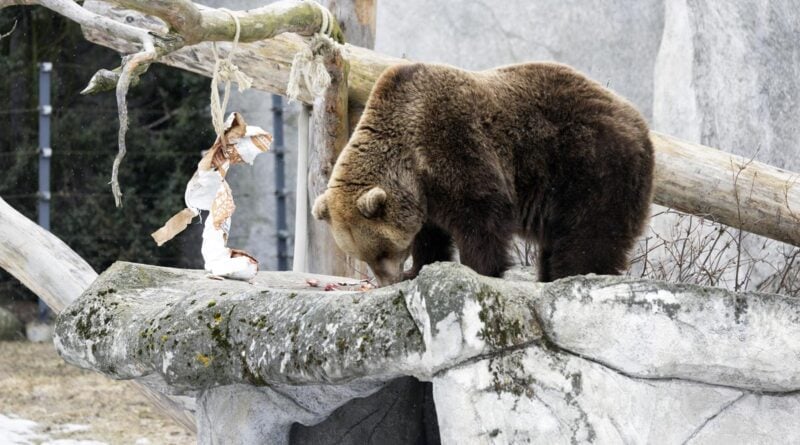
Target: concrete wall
{"x":615,"y":42}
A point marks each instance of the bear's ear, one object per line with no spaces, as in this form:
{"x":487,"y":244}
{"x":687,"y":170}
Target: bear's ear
{"x":320,"y":209}
{"x":371,"y":202}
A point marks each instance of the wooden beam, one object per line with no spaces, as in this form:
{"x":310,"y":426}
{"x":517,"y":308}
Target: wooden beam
{"x":330,"y":131}
{"x":41,"y":261}
{"x":331,"y":121}
{"x":726,"y":188}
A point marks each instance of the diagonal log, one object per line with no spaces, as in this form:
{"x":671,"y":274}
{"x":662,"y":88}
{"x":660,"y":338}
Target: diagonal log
{"x":58,"y":275}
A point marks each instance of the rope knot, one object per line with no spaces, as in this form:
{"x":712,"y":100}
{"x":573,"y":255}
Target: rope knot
{"x":308,"y":65}
{"x":228,"y":72}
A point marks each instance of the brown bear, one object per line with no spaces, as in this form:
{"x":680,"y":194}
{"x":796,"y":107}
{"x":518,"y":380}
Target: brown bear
{"x":443,"y":155}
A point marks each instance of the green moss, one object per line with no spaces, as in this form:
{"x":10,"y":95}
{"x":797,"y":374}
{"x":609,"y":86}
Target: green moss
{"x":294,"y":330}
{"x":83,"y":325}
{"x":400,"y":299}
{"x":204,"y":359}
{"x":212,"y":303}
{"x":260,"y":322}
{"x":252,"y":377}
{"x":499,"y":330}
{"x":509,"y":375}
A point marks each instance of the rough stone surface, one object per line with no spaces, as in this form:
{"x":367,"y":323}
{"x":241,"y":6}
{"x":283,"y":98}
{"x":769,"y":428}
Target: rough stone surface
{"x":196,"y":332}
{"x":652,"y":330}
{"x":726,"y":76}
{"x":615,"y":42}
{"x":585,"y":359}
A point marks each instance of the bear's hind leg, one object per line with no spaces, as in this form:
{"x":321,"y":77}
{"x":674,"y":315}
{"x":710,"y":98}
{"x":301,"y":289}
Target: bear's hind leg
{"x":431,"y":244}
{"x":580,"y":254}
{"x":489,"y":257}
{"x":485,"y":252}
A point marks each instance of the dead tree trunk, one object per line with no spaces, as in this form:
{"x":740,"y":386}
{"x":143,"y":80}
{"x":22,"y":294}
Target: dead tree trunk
{"x":331,"y":129}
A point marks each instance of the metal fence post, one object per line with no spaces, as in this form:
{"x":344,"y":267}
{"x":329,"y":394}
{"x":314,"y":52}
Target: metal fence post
{"x":45,"y":153}
{"x":279,"y":149}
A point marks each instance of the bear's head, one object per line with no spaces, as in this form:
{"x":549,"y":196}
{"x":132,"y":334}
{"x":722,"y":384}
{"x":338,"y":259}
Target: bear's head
{"x":374,"y":224}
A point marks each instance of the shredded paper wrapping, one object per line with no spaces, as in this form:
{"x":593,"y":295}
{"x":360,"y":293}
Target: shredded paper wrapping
{"x":208,"y":190}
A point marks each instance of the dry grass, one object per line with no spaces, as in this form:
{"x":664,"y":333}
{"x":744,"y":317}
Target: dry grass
{"x":36,"y":384}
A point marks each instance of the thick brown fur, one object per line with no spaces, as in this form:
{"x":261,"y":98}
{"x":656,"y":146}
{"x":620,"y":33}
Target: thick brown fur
{"x":472,"y":158}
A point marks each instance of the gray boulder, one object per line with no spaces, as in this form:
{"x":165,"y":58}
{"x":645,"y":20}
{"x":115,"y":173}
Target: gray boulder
{"x":585,"y":359}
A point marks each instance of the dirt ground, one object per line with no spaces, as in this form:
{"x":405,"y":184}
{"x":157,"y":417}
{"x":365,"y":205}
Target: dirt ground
{"x":36,"y":384}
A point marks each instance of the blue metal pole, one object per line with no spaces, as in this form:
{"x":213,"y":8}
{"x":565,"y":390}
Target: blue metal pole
{"x":279,"y":149}
{"x":45,"y":153}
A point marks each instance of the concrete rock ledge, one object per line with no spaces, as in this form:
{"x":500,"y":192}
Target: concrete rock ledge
{"x":585,"y":359}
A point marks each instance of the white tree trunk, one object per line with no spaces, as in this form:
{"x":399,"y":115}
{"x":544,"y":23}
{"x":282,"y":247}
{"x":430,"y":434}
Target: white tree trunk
{"x":41,"y":261}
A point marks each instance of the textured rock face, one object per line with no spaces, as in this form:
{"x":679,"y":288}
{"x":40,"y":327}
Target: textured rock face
{"x":726,"y":77}
{"x":597,"y":359}
{"x":614,"y":42}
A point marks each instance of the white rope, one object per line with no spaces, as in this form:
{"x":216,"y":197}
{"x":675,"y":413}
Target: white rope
{"x":308,"y":65}
{"x":225,"y":70}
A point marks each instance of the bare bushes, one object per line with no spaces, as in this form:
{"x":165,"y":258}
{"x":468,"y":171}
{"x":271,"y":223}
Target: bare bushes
{"x":682,"y":248}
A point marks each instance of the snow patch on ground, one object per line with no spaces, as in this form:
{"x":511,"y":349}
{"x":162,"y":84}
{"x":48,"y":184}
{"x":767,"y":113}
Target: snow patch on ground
{"x":18,"y":431}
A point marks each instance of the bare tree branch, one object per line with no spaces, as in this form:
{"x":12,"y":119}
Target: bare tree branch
{"x":132,"y":62}
{"x":182,"y":16}
{"x":13,"y":27}
{"x":188,"y":24}
{"x":76,"y":13}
